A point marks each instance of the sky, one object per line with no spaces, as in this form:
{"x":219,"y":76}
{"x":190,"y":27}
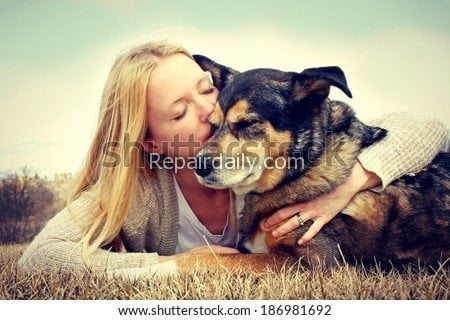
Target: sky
{"x":55,"y":57}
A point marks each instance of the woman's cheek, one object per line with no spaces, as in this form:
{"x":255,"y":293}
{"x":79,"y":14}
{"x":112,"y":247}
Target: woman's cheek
{"x":184,"y":143}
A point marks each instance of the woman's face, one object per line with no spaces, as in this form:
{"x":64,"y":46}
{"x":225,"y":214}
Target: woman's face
{"x":180,"y":97}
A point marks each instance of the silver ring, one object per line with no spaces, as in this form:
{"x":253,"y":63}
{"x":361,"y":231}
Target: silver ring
{"x":300,"y":219}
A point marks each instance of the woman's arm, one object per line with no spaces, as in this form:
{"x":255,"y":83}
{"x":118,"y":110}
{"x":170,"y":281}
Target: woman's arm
{"x":58,"y":247}
{"x":412,"y":142}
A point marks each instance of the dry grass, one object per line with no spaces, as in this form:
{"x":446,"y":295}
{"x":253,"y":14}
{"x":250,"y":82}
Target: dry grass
{"x":345,"y":282}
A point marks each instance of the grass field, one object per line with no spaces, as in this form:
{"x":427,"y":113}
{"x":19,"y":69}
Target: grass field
{"x":345,"y":282}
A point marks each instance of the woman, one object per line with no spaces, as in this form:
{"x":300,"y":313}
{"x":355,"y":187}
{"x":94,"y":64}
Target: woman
{"x":158,"y":96}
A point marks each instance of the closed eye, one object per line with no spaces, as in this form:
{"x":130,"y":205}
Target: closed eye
{"x":209,"y":90}
{"x":243,"y":124}
{"x":181,"y":116}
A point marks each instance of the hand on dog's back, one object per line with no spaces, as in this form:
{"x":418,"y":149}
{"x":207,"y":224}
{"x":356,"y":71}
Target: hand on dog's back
{"x":211,"y":248}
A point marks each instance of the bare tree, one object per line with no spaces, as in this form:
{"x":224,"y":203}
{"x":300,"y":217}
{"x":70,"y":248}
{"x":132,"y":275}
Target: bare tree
{"x":25,"y":200}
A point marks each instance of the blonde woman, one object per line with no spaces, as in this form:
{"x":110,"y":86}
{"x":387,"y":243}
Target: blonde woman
{"x":156,"y":97}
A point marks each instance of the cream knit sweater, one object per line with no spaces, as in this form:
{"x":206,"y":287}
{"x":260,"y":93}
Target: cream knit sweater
{"x":152,"y":222}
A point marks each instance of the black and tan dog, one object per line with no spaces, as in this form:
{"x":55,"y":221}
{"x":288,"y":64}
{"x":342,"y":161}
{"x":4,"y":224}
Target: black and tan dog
{"x":266,"y":117}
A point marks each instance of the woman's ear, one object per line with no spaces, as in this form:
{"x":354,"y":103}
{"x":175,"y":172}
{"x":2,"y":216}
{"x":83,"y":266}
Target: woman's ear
{"x":150,"y":146}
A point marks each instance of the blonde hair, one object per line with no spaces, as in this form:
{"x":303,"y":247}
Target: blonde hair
{"x":123,"y":111}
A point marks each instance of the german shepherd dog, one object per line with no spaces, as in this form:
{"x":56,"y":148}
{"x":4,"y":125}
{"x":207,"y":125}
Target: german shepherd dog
{"x":271,"y":116}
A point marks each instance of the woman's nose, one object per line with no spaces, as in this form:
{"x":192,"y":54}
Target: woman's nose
{"x":205,"y":108}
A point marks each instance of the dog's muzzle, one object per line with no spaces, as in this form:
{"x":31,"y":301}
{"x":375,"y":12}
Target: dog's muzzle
{"x":203,"y":166}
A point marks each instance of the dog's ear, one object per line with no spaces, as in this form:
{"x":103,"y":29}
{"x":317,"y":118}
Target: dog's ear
{"x":312,"y":86}
{"x":372,"y":135}
{"x":221,"y":74}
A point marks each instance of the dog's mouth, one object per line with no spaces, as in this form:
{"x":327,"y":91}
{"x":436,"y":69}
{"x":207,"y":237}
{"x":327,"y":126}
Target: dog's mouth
{"x":212,"y":182}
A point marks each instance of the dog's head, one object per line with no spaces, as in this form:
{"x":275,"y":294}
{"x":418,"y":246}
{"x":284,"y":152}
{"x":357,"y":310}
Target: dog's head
{"x":260,"y":118}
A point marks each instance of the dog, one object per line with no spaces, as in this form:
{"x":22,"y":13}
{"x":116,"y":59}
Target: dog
{"x":268,"y":115}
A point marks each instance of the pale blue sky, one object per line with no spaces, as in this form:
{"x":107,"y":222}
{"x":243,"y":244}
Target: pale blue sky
{"x":55,"y":55}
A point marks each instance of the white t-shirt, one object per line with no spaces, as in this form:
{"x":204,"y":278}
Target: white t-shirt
{"x":192,"y":233}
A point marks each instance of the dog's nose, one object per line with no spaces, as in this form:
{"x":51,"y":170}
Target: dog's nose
{"x":203,"y":165}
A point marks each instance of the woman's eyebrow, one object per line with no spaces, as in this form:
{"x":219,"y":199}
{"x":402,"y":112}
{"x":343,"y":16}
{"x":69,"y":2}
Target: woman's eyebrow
{"x":174,"y":102}
{"x":207,"y":75}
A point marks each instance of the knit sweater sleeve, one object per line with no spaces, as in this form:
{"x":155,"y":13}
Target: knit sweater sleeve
{"x":57,"y":247}
{"x":411,"y":143}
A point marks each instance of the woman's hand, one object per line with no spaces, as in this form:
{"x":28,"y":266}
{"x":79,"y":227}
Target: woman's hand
{"x":213,"y":248}
{"x":200,"y":249}
{"x":323,"y":208}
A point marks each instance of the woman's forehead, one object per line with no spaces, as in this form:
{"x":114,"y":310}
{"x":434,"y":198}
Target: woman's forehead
{"x":171,"y":79}
{"x":176,"y":67}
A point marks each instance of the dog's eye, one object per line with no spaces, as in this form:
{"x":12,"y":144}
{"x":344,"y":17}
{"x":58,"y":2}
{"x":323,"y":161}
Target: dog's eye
{"x":244,"y":124}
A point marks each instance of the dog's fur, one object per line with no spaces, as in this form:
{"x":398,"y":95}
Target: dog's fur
{"x":291,"y":113}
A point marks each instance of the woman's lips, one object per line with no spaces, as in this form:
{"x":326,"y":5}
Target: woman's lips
{"x":207,"y":139}
{"x":211,"y":133}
